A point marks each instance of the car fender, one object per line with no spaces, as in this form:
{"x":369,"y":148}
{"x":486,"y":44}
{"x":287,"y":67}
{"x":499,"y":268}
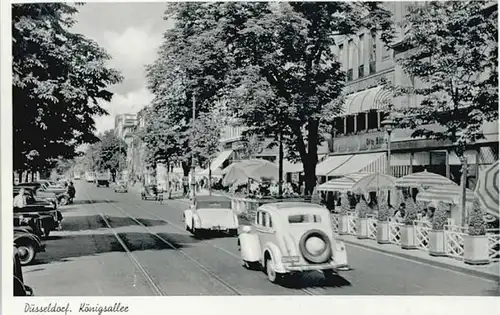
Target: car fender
{"x":236,"y":221}
{"x":276,"y":255}
{"x":197,"y":221}
{"x":340,"y":253}
{"x":188,"y":215}
{"x":250,"y":247}
{"x":20,"y":238}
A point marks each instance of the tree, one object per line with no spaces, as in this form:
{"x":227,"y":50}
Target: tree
{"x":272,"y":62}
{"x":58,"y":79}
{"x":107,"y":154}
{"x":254,"y":144}
{"x":452,"y":56}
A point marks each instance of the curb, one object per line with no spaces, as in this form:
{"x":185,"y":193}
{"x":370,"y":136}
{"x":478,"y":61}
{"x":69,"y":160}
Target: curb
{"x":477,"y":273}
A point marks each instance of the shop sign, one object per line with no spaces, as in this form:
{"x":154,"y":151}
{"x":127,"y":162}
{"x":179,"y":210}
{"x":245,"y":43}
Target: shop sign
{"x":362,"y":142}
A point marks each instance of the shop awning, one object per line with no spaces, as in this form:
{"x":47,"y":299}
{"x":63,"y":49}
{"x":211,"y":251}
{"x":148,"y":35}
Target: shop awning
{"x":370,"y":99}
{"x":217,"y":162}
{"x":289,"y":167}
{"x":330,"y":164}
{"x":371,"y":163}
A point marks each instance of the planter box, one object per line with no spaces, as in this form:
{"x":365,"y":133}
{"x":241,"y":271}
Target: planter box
{"x":408,"y":237}
{"x":476,"y":249}
{"x":383,"y":232}
{"x":362,"y":228}
{"x":437,"y":243}
{"x":343,"y":225}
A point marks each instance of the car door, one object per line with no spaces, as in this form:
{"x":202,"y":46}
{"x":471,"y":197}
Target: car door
{"x":265,"y":228}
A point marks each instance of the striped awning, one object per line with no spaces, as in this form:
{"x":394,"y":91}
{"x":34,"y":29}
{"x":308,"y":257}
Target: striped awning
{"x":330,"y":164}
{"x":447,"y":194}
{"x":370,"y":99}
{"x":487,"y":189}
{"x":369,"y":163}
{"x":423,"y":179}
{"x":359,"y":183}
{"x":217,"y":163}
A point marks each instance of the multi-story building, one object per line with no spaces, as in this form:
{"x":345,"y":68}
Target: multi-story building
{"x":125,"y":126}
{"x":359,"y":141}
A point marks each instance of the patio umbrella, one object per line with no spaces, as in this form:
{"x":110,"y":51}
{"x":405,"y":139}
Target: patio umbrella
{"x":448,"y":194}
{"x":423,"y":179}
{"x":487,"y":189}
{"x":249,"y":169}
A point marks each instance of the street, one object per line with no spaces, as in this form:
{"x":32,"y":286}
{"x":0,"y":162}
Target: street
{"x":115,"y":244}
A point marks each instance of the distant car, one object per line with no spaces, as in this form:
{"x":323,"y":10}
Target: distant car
{"x":42,"y":188}
{"x":121,"y":186}
{"x":211,"y":213}
{"x":20,"y":289}
{"x":292,"y":237}
{"x":28,"y":245}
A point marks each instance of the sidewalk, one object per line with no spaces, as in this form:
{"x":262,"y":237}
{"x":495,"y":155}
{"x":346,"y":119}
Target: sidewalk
{"x":491,"y":271}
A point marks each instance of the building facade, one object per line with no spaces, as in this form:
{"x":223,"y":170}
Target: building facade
{"x":359,"y":140}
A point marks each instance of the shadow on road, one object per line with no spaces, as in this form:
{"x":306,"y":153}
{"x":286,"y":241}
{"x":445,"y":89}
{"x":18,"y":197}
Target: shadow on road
{"x":95,"y":222}
{"x":61,"y":249}
{"x":86,"y":202}
{"x":315,"y":279}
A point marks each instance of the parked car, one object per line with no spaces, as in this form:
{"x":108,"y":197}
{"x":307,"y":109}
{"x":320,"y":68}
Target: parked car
{"x":28,"y":222}
{"x":292,"y":237}
{"x":121,"y":186}
{"x":20,"y":289}
{"x":150,"y":192}
{"x":52,"y":184}
{"x":211,"y":213}
{"x":28,"y":245}
{"x":49,"y":217}
{"x":103,"y":179}
{"x":40,"y":196}
{"x":41,"y":190}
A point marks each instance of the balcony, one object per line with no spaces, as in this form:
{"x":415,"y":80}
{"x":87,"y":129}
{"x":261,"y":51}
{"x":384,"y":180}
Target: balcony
{"x":373,"y":67}
{"x":349,"y":75}
{"x":361,"y":71}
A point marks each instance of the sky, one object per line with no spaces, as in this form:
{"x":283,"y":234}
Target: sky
{"x":131,"y":33}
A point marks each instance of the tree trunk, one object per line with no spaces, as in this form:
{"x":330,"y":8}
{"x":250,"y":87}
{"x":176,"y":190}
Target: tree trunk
{"x":311,"y":157}
{"x":463,"y":182}
{"x":210,"y":178}
{"x":280,"y":167}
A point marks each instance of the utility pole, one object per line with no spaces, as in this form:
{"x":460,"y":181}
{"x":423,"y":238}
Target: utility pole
{"x":193,"y":164}
{"x":280,"y":166}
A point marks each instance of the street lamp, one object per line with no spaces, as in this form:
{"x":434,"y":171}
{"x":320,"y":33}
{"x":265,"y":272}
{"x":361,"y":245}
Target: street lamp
{"x":388,"y":124}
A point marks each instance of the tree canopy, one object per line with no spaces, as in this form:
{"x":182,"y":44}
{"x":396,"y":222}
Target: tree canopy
{"x":451,"y":56}
{"x":59,"y":79}
{"x":272,"y":62}
{"x":108,"y":154}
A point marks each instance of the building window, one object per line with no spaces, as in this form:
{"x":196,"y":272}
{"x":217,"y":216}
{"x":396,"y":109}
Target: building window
{"x":373,"y":53}
{"x":360,"y":122}
{"x":350,"y":59}
{"x":361,"y":56}
{"x":350,"y":124}
{"x":339,"y":125}
{"x":341,"y":56}
{"x":372,"y":119}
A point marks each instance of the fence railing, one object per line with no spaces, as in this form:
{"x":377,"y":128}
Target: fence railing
{"x":395,"y":232}
{"x":422,"y":229}
{"x":351,"y":224}
{"x":494,"y":244}
{"x":372,"y":228}
{"x":454,"y":240}
{"x":335,"y":223}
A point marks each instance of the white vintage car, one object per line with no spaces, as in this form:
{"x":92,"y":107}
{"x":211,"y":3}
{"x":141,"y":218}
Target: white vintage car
{"x":291,"y":237}
{"x":211,"y":213}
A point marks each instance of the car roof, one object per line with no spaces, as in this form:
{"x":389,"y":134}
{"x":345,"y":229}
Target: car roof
{"x":212,"y":199}
{"x":293,"y":207}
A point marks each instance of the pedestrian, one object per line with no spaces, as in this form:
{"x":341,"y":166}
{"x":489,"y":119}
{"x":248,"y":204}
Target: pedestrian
{"x":400,"y":213}
{"x":20,"y":199}
{"x":71,"y":192}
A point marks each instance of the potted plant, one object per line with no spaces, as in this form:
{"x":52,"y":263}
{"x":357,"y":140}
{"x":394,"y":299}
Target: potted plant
{"x":476,"y":246}
{"x":408,"y":240}
{"x":383,"y":224}
{"x":362,"y":211}
{"x":436,"y":235}
{"x":344,"y":216}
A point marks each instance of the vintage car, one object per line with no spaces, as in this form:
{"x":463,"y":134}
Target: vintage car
{"x":42,"y":190}
{"x":211,"y":213}
{"x":49,"y":217}
{"x":20,"y":289}
{"x":39,"y":196}
{"x":121,"y":186}
{"x":292,"y":237}
{"x":150,"y":192}
{"x":28,"y":245}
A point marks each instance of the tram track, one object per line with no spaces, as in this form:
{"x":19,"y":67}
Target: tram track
{"x":151,"y":283}
{"x":183,"y":230}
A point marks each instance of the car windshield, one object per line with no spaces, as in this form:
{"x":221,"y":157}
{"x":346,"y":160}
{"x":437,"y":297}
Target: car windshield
{"x":304,"y":218}
{"x":213,"y":205}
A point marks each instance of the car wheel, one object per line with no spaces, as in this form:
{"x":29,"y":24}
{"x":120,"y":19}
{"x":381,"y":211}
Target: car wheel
{"x":272,"y":275}
{"x":27,"y":253}
{"x":63,"y":201}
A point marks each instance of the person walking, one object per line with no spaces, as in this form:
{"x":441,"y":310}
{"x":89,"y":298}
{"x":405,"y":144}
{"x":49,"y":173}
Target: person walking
{"x":71,"y":192}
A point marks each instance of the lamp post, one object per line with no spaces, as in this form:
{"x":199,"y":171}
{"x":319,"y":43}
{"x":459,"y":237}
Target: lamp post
{"x":193,"y":164}
{"x":388,"y":124}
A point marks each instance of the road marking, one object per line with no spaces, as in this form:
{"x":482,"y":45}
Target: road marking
{"x":157,"y":290}
{"x":420,"y":263}
{"x":210,"y":273}
{"x":307,"y":291}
